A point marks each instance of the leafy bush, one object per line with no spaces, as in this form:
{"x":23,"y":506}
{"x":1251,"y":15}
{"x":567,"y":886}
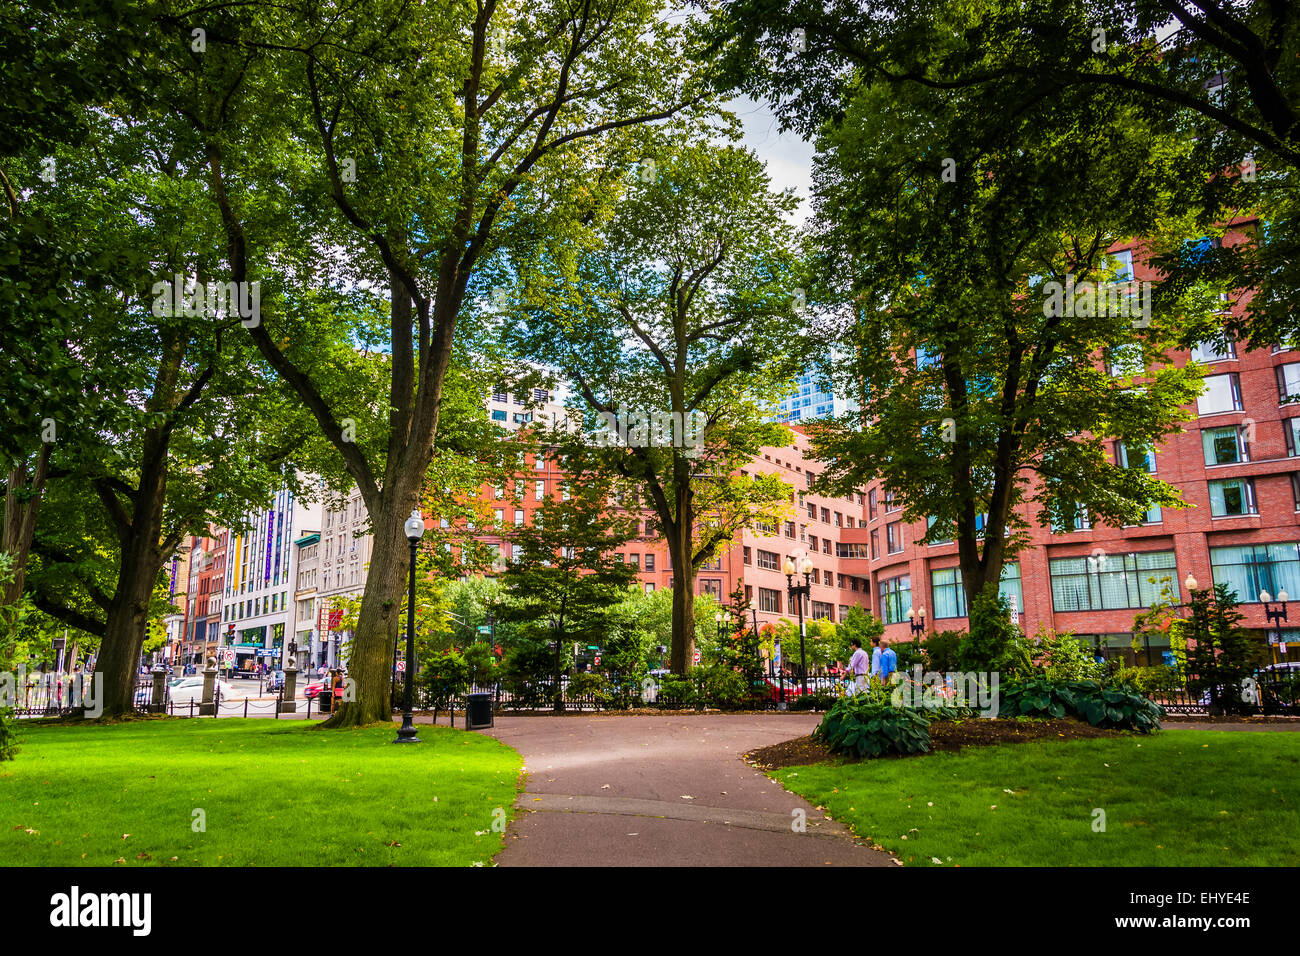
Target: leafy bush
{"x":816,"y":700}
{"x":1062,"y":656}
{"x":865,"y":726}
{"x":722,"y":687}
{"x":994,"y":643}
{"x":1101,"y":706}
{"x":588,"y":684}
{"x":941,"y":650}
{"x":676,"y":691}
{"x":480,"y":664}
{"x":526,"y":673}
{"x":1147,"y":680}
{"x":8,"y":740}
{"x":443,"y":678}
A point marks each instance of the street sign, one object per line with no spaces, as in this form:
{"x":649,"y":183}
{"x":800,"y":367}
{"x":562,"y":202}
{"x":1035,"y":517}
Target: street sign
{"x":597,"y":658}
{"x":401,"y":667}
{"x":484,"y":629}
{"x":697,"y":657}
{"x":593,"y":647}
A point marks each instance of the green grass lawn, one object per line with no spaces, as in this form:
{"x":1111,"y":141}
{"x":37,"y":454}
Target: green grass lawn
{"x":1178,"y":798}
{"x":272,"y":793}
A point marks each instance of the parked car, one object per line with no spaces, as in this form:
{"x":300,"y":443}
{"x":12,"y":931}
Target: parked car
{"x":316,"y":687}
{"x":182,"y":690}
{"x":275,"y":680}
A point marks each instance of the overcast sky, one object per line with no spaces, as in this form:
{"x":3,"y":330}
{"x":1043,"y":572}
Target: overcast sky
{"x":788,"y":158}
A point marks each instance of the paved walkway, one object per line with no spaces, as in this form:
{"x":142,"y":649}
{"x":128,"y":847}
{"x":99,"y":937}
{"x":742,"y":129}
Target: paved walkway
{"x":607,"y":790}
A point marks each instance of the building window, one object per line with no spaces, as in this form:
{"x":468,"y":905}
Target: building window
{"x":812,"y":541}
{"x":1233,"y":496}
{"x":540,"y":395}
{"x":768,"y":560}
{"x":1113,"y":581}
{"x":948,"y":595}
{"x":498,"y":414}
{"x":1222,"y":394}
{"x":1123,"y":265}
{"x":894,"y":536}
{"x":871,"y":503}
{"x":839,"y":520}
{"x":539,"y":490}
{"x":1141,"y":458}
{"x":1295,"y":489}
{"x":747,"y":554}
{"x":539,"y":463}
{"x":826,"y":515}
{"x":1250,"y":569}
{"x":826,"y":545}
{"x":769,"y":600}
{"x":812,"y":512}
{"x":1225,"y":445}
{"x":1291,"y":429}
{"x":789,"y":529}
{"x":649,"y":589}
{"x":519,"y":518}
{"x":500,"y":395}
{"x":649,"y":562}
{"x":929,"y":526}
{"x":891,"y":504}
{"x":1211,"y":351}
{"x":822,"y":611}
{"x":634,"y":560}
{"x":1288,"y":383}
{"x":895,"y":598}
{"x":1125,"y":361}
{"x":875,"y":544}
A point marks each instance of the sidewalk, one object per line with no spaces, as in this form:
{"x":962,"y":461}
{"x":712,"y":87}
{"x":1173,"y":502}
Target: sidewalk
{"x":606,"y":790}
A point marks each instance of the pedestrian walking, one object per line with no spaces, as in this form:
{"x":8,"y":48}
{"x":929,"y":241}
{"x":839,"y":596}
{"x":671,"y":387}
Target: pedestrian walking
{"x":875,"y":657}
{"x":858,"y":666}
{"x":888,"y":663}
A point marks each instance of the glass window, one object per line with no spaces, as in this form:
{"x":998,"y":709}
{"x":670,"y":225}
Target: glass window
{"x":1222,"y":394}
{"x":1112,"y":581}
{"x":1224,"y":446}
{"x":875,"y":543}
{"x":1212,"y":351}
{"x":894,"y":536}
{"x":519,"y":517}
{"x":769,"y":600}
{"x":539,"y":491}
{"x":1233,"y":496}
{"x":895,"y":598}
{"x":949,"y":596}
{"x":1288,"y":383}
{"x":1125,"y":361}
{"x":768,"y":560}
{"x":871,"y":503}
{"x":1122,"y":263}
{"x":1250,"y":569}
{"x":649,"y":562}
{"x":498,"y":414}
{"x":1142,"y":458}
{"x":1291,"y":429}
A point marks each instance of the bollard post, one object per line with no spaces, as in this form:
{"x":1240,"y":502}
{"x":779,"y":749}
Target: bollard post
{"x":158,"y":702}
{"x":245,"y":708}
{"x":209,"y":704}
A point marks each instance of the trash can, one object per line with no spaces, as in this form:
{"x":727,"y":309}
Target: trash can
{"x":478,"y":711}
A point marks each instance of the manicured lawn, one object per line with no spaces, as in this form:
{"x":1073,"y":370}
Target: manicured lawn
{"x":1178,"y":798}
{"x":272,"y":793}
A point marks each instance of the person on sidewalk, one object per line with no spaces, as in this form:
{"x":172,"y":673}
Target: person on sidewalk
{"x":875,"y":657}
{"x":888,"y":664}
{"x":858,"y":666}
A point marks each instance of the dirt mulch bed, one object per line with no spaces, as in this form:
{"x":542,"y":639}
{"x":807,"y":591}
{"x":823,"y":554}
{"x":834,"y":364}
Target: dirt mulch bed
{"x":1227,"y":719}
{"x":944,"y":735}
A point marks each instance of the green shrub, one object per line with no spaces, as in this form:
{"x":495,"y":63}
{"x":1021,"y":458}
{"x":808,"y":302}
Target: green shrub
{"x":1101,"y":706}
{"x":860,"y":726}
{"x":816,"y":700}
{"x":443,"y":678}
{"x":8,"y":740}
{"x":722,"y":686}
{"x":676,"y":691}
{"x":941,"y":650}
{"x":588,"y":684}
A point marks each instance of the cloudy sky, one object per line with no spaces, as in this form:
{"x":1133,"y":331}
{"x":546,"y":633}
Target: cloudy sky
{"x":788,"y":158}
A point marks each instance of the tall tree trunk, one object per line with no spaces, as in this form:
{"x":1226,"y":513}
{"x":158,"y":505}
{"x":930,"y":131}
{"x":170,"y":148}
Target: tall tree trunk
{"x":683,"y":649}
{"x":142,"y":557}
{"x":370,"y":661}
{"x":20,"y":518}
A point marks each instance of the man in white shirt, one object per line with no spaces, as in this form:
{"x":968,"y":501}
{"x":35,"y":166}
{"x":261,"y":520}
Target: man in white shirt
{"x":875,"y":657}
{"x":858,"y":666}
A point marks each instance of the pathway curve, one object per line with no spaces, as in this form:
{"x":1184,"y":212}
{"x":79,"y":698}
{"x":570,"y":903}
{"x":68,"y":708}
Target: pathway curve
{"x":609,"y":790}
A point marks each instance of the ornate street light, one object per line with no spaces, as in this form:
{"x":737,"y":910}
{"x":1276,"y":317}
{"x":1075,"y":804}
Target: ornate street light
{"x":1274,"y":614}
{"x":798,"y":592}
{"x":916,"y":620}
{"x":414,"y":528}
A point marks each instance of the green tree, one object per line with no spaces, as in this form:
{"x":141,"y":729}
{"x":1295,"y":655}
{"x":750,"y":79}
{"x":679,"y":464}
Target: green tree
{"x":677,"y":329}
{"x":990,"y":403}
{"x":423,"y":143}
{"x":1221,"y":654}
{"x":566,"y":580}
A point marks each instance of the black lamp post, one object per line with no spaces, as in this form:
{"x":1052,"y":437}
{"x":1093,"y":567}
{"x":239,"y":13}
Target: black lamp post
{"x":916,"y":621}
{"x":1274,"y":614}
{"x":723,"y":620}
{"x":414,"y":532}
{"x":798,"y":592}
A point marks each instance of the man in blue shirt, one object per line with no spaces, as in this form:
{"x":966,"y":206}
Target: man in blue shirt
{"x":888,"y":663}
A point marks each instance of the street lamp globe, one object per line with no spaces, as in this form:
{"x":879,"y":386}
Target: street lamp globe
{"x":787,"y":567}
{"x":415,"y":526}
{"x":1281,"y":595}
{"x":805,"y":566}
{"x":1265,"y":597}
{"x":1190,"y":582}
